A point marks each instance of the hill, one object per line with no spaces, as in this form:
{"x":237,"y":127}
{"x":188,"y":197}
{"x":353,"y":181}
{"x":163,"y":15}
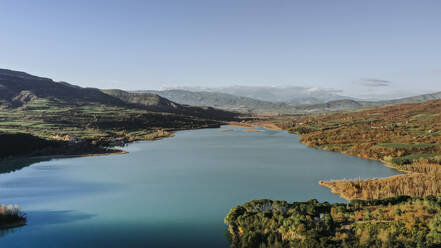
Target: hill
{"x":19,"y":88}
{"x":333,"y":106}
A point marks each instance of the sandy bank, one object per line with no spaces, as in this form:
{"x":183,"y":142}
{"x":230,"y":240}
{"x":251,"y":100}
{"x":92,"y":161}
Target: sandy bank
{"x":251,"y":131}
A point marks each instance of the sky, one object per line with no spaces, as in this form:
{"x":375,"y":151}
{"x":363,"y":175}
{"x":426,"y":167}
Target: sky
{"x":364,"y":48}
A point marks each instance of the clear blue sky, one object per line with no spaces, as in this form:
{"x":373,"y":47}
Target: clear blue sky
{"x":359,"y":46}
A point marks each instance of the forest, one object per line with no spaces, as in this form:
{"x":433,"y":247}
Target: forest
{"x":399,"y":221}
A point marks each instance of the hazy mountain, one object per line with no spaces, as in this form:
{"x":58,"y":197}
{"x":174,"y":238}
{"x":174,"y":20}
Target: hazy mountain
{"x":353,"y":104}
{"x":309,"y":103}
{"x":308,"y":100}
{"x":222,"y":100}
{"x":294,"y":95}
{"x":414,"y":99}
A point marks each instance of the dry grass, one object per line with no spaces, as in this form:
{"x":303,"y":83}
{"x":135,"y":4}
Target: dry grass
{"x":423,"y":179}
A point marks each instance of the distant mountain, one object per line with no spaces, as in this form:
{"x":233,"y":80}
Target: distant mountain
{"x":293,"y":95}
{"x":413,"y":99}
{"x":247,"y":104}
{"x":19,"y":89}
{"x":353,"y":104}
{"x":155,"y":102}
{"x":222,"y":100}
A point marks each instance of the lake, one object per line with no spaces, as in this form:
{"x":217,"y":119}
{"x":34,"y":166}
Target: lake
{"x":173,"y":192}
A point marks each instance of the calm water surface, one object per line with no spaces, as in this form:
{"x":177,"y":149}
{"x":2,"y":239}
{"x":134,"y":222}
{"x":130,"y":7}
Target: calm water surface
{"x":169,"y":193}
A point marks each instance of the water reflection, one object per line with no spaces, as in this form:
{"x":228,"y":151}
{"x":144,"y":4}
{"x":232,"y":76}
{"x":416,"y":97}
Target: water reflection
{"x":44,"y":218}
{"x":12,"y":165}
{"x":6,"y":231}
{"x":41,"y":218}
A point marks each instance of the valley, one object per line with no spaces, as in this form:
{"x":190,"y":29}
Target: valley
{"x":239,"y":124}
{"x":69,"y":121}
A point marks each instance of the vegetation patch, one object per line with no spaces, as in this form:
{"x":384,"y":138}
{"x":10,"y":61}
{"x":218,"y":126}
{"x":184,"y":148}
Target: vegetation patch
{"x":409,"y":159}
{"x":407,"y":146}
{"x":11,"y":216}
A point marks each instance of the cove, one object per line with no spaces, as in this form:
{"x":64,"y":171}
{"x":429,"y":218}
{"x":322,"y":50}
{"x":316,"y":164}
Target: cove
{"x":173,"y":192}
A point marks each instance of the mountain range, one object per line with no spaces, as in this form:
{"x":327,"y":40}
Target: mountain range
{"x":19,"y":89}
{"x":293,"y":95}
{"x":298,"y":102}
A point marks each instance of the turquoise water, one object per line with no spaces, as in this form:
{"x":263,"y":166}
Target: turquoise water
{"x":173,"y":192}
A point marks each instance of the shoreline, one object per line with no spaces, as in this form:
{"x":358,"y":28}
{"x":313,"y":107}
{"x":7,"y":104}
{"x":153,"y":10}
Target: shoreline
{"x":60,"y":156}
{"x":112,"y":150}
{"x":329,"y":183}
{"x":334,"y":189}
{"x":417,"y":175}
{"x":116,"y":152}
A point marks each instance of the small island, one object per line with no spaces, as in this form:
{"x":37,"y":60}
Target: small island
{"x":11,"y":216}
